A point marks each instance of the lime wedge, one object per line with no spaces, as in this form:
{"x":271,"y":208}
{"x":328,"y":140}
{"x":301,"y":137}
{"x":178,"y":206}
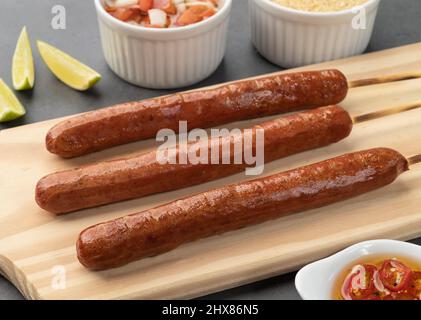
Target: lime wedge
{"x":23,"y":73}
{"x":10,"y":107}
{"x":72,"y":72}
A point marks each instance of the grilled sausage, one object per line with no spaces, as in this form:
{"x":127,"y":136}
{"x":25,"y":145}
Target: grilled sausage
{"x":158,"y":230}
{"x":142,"y":175}
{"x":124,"y":123}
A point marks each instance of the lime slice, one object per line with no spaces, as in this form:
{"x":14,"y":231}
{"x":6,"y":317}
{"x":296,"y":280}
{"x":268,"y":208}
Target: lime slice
{"x":10,"y":107}
{"x":72,"y":72}
{"x":23,"y":73}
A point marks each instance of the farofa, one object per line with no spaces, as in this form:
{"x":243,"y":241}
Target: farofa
{"x":320,"y":5}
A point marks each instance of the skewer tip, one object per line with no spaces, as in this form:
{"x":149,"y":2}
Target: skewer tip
{"x":384,"y":79}
{"x":414,"y":159}
{"x":386,"y":112}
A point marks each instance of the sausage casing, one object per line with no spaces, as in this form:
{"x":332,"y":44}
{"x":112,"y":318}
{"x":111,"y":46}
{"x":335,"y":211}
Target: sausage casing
{"x":142,"y":175}
{"x":158,"y":230}
{"x":124,"y":123}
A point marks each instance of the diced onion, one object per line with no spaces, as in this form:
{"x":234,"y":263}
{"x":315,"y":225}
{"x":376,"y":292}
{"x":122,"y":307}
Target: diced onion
{"x":181,"y":7}
{"x":157,"y":17}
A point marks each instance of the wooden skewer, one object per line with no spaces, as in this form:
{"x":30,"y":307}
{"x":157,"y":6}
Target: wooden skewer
{"x":386,"y":112}
{"x":414,"y":159}
{"x":384,"y":79}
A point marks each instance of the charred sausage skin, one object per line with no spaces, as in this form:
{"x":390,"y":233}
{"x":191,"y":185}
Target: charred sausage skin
{"x":143,"y":175}
{"x":129,"y":122}
{"x":158,"y":230}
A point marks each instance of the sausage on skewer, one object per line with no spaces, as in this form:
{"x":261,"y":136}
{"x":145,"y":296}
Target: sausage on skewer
{"x":158,"y":230}
{"x":142,"y":175}
{"x":241,"y":100}
{"x":129,"y":122}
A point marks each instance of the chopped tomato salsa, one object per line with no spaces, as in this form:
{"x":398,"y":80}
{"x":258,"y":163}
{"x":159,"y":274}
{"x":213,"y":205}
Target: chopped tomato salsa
{"x":161,"y":13}
{"x":389,"y":279}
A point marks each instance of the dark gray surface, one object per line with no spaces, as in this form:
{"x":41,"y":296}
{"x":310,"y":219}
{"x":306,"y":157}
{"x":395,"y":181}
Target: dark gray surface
{"x":398,"y":24}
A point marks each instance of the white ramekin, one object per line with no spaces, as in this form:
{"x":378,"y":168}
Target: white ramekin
{"x":293,"y":38}
{"x":164,"y":58}
{"x":316,"y":280}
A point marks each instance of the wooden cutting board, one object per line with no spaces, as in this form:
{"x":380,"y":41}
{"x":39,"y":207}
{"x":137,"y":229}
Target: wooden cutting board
{"x":36,"y":247}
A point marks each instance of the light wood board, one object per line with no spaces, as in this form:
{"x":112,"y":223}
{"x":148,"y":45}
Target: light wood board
{"x":33,"y":242}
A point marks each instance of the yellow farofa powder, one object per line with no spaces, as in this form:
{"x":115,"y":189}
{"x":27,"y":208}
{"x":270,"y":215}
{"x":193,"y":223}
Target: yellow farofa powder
{"x":320,"y":5}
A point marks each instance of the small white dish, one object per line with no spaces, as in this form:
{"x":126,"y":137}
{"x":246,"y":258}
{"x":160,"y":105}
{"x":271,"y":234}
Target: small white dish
{"x":293,"y":38}
{"x":164,"y":58}
{"x":316,"y":281}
